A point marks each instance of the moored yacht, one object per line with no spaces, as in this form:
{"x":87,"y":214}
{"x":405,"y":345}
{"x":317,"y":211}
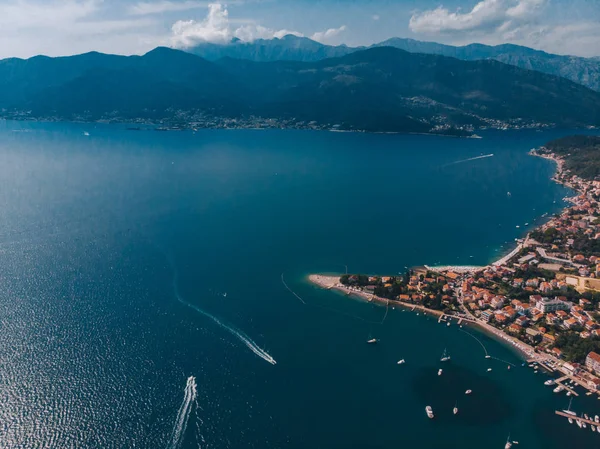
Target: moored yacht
{"x":549,"y":382}
{"x":429,"y":412}
{"x":559,"y":389}
{"x":455,"y":409}
{"x":440,"y":372}
{"x":508,"y":444}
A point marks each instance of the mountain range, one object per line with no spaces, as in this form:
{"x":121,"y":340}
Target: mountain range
{"x":378,"y":89}
{"x":585,"y":71}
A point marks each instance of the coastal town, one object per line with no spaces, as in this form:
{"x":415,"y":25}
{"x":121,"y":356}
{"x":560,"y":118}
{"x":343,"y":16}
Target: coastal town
{"x":543,"y":297}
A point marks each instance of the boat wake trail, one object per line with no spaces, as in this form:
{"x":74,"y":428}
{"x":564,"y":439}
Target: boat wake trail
{"x":470,"y":159}
{"x":477,"y":339}
{"x":232,"y":330}
{"x":291,"y":291}
{"x":183,"y":415}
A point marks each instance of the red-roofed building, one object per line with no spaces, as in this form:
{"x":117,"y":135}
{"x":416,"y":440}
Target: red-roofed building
{"x":592,"y":361}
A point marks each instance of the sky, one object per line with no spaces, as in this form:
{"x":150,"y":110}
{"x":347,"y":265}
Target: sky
{"x":65,"y":27}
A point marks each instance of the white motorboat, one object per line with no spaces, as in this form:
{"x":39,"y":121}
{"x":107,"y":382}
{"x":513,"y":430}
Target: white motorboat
{"x":489,"y":369}
{"x":440,"y":372}
{"x":468,"y":391}
{"x":401,"y":362}
{"x":549,"y":382}
{"x":372,"y":341}
{"x":429,"y":412}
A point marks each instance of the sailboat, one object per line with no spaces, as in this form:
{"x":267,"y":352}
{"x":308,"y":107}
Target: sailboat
{"x":455,"y":409}
{"x":445,"y":356}
{"x":568,"y":410}
{"x":508,"y":444}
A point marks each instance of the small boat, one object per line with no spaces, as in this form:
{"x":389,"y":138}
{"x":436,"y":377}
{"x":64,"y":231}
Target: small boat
{"x":488,"y":356}
{"x":508,"y":367}
{"x":517,"y":226}
{"x":85,"y":133}
{"x":468,"y":391}
{"x":429,"y":412}
{"x":583,"y":424}
{"x":598,"y":429}
{"x":549,"y":382}
{"x":535,"y":372}
{"x":597,"y":419}
{"x":570,"y":420}
{"x":489,"y":369}
{"x":372,"y":341}
{"x":586,"y":416}
{"x":579,"y":424}
{"x":593,"y":427}
{"x":526,"y":224}
{"x":568,"y":393}
{"x":455,"y":409}
{"x":440,"y":372}
{"x":445,"y":356}
{"x":401,"y":361}
{"x":448,"y":324}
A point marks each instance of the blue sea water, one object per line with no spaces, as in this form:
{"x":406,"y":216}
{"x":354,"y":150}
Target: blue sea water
{"x":134,"y":260}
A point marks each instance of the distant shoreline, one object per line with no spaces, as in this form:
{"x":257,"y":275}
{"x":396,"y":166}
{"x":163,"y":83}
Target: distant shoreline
{"x":138,"y":124}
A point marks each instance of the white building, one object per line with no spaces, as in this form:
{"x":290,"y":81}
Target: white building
{"x":552,"y":305}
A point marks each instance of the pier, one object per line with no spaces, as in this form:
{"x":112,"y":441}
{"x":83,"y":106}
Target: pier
{"x":565,"y":386}
{"x":591,"y":422}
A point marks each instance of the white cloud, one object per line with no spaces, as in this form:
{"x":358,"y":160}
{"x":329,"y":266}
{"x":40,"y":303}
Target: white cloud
{"x":327,"y":35}
{"x":516,"y":21}
{"x":217,"y":27}
{"x":487,"y":15}
{"x":214,"y":28}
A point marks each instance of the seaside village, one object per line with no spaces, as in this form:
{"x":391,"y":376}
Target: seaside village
{"x":543,"y":297}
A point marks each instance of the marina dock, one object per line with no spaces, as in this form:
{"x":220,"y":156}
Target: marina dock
{"x":591,"y":422}
{"x":564,"y":385}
